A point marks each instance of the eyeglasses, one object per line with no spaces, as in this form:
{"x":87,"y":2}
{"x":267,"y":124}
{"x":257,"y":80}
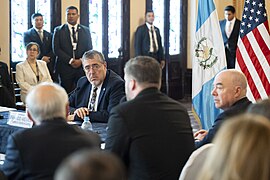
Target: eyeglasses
{"x":93,"y":67}
{"x":32,"y":49}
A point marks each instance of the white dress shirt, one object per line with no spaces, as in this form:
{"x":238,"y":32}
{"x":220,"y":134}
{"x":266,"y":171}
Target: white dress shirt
{"x":229,"y":27}
{"x":150,"y":35}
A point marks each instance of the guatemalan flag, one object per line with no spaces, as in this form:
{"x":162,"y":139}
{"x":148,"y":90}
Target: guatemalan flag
{"x":209,"y":59}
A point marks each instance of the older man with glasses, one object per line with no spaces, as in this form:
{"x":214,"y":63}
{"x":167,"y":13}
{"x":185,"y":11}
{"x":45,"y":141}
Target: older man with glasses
{"x":97,"y":92}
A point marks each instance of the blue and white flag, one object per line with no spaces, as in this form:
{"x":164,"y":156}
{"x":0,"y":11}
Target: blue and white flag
{"x":209,"y":59}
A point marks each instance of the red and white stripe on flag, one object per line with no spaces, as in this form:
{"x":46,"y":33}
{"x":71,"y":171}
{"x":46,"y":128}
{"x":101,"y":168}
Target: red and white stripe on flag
{"x":253,"y":52}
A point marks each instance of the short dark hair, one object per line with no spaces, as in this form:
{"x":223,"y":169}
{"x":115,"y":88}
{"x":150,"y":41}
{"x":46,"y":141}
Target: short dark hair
{"x":36,"y":15}
{"x":29,"y":45}
{"x":144,"y":69}
{"x":149,"y":11}
{"x":230,"y":8}
{"x":72,"y":7}
{"x":93,"y":54}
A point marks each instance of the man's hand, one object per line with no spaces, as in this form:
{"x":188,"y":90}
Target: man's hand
{"x":162,"y":64}
{"x":81,"y":112}
{"x":199,"y":135}
{"x":76,"y":63}
{"x":46,"y":59}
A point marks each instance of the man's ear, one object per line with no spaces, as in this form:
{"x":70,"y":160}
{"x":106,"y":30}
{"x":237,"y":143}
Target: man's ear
{"x":133,"y":84}
{"x":29,"y":116}
{"x":238,"y":91}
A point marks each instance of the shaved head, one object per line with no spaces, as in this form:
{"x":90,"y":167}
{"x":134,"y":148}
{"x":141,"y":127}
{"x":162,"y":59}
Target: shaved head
{"x":47,"y":101}
{"x":229,"y":86}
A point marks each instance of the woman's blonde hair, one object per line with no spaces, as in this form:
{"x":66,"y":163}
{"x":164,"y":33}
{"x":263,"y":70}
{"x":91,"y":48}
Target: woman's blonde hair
{"x":241,"y":150}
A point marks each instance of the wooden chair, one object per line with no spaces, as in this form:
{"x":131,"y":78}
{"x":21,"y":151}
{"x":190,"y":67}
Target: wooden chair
{"x":17,"y":95}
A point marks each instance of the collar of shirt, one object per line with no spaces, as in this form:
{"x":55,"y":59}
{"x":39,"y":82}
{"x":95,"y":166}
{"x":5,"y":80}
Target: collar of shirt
{"x":39,"y":29}
{"x":70,"y":27}
{"x":232,"y":21}
{"x":149,"y":25}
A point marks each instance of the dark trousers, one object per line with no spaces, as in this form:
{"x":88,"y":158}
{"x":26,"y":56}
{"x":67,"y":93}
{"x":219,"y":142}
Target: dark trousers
{"x":68,"y":81}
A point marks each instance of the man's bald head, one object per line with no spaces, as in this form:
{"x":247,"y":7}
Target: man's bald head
{"x":47,"y":101}
{"x":229,"y":86}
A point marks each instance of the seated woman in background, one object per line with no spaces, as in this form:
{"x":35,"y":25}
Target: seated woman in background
{"x":31,"y":71}
{"x":241,"y":150}
{"x":6,"y":88}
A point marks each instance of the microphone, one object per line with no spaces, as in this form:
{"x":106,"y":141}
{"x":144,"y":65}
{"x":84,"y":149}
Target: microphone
{"x":74,"y":90}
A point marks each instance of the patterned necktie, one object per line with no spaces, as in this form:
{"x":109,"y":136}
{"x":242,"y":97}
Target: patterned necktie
{"x":40,"y":35}
{"x":74,"y":35}
{"x":153,"y":40}
{"x":93,"y":100}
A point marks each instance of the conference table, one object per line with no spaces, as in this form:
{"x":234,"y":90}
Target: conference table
{"x":6,"y":130}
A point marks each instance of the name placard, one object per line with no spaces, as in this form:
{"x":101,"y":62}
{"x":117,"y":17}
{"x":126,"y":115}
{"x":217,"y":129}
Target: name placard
{"x":19,"y":119}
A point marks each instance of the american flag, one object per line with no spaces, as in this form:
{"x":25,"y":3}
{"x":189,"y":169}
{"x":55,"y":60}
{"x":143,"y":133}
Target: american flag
{"x":253,"y":52}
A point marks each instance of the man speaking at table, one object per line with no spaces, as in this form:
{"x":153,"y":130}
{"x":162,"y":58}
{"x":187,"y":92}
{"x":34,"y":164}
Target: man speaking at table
{"x":150,"y":132}
{"x":97,"y":92}
{"x":36,"y":153}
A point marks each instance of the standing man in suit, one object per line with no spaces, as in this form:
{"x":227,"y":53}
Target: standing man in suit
{"x":230,"y":27}
{"x":44,"y":39}
{"x":97,"y":92}
{"x":35,"y":153}
{"x":150,"y":132}
{"x":148,"y":40}
{"x":70,"y":41}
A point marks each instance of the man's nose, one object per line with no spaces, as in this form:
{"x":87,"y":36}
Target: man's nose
{"x":213,"y":92}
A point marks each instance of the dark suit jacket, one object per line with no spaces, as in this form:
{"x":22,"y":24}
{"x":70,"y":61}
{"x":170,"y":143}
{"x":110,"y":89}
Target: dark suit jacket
{"x":230,"y":43}
{"x":113,"y":89}
{"x":45,"y":47}
{"x":6,"y":88}
{"x":63,"y":49}
{"x":152,"y":135}
{"x":237,"y":108}
{"x":36,"y":153}
{"x":142,"y":42}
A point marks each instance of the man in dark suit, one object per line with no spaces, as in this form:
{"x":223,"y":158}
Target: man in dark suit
{"x":148,"y":40}
{"x":230,"y":27}
{"x":36,"y":153}
{"x":150,"y":132}
{"x":6,"y":88}
{"x":70,"y":41}
{"x":230,"y":88}
{"x":44,"y":39}
{"x":98,"y":92}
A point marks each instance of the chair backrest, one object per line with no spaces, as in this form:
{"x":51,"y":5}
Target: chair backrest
{"x":195,"y":163}
{"x":16,"y":90}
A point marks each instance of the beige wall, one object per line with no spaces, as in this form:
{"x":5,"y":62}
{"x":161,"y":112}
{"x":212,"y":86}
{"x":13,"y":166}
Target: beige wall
{"x":220,"y":5}
{"x":65,"y":4}
{"x":137,"y":10}
{"x":4,"y":32}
